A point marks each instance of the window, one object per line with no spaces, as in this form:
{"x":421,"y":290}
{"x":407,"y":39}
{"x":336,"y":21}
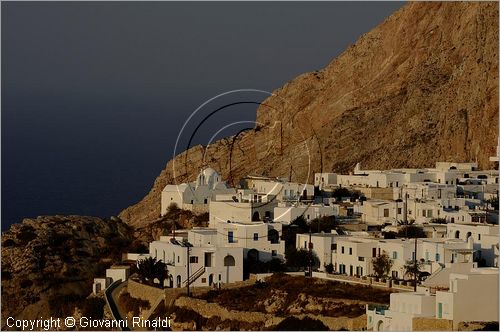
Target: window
{"x":423,"y":213}
{"x":361,"y":259}
{"x":394,"y":255}
{"x":230,"y":238}
{"x":305,"y":244}
{"x":191,"y":201}
{"x":274,"y":253}
{"x":203,"y":280}
{"x":479,"y":237}
{"x":350,"y":251}
{"x":413,"y":255}
{"x":386,"y":213}
{"x":178,"y":259}
{"x":193,"y":259}
{"x":342,"y":249}
{"x":437,"y":257}
{"x":334,"y":246}
{"x":399,"y":210}
{"x":374,"y":252}
{"x":205,"y":201}
{"x":255,"y":236}
{"x":409,"y":212}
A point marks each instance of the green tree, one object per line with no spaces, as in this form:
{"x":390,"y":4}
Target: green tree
{"x":299,"y":259}
{"x":382,"y":265}
{"x":411,"y":269}
{"x":493,"y":203}
{"x":329,"y":268}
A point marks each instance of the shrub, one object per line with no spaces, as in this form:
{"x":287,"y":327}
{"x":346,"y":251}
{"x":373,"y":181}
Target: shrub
{"x":329,"y":268}
{"x":26,"y":235}
{"x":411,"y":231}
{"x":26,"y":283}
{"x":63,"y":305}
{"x":438,"y":221}
{"x":9,"y":243}
{"x":293,"y":323}
{"x":93,"y":307}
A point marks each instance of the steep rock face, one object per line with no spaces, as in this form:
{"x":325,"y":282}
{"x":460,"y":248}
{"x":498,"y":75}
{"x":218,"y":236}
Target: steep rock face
{"x":421,"y":87}
{"x":48,"y":262}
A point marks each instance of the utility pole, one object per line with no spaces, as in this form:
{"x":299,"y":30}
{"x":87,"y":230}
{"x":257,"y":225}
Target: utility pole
{"x":405,"y":219}
{"x":310,"y":253}
{"x":187,"y":264}
{"x":416,"y":268}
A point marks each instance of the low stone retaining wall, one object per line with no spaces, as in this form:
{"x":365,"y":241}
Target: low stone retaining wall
{"x":432,"y":324}
{"x":144,"y":292}
{"x":208,"y":310}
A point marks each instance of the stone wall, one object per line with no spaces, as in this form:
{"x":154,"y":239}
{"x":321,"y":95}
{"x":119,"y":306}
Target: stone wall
{"x":213,"y":309}
{"x":432,"y":324}
{"x":144,"y":292}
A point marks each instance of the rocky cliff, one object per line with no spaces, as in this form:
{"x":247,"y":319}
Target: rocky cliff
{"x":48,"y":263}
{"x":419,"y":88}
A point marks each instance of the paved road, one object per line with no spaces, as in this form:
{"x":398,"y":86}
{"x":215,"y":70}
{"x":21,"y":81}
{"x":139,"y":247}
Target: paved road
{"x":111,"y":294}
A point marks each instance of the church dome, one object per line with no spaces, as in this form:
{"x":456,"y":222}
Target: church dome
{"x":208,"y":177}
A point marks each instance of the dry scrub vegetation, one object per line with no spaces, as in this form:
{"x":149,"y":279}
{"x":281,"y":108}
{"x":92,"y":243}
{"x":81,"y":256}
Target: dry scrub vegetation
{"x":282,"y":294}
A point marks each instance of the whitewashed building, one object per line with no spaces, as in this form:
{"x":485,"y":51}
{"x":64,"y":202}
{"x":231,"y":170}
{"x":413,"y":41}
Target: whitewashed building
{"x":208,"y":263}
{"x":286,"y":213}
{"x":259,"y":240}
{"x":485,"y":239}
{"x":464,"y":295}
{"x":323,"y":245}
{"x":194,"y":196}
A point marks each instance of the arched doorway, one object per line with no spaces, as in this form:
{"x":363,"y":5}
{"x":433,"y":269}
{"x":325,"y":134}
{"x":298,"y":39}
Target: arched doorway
{"x":469,"y":234}
{"x":256,"y":216}
{"x":380,"y":325}
{"x":211,"y":279}
{"x":253,"y":254}
{"x":228,"y":262}
{"x":273,"y":236}
{"x":457,"y":234}
{"x":178,"y":281}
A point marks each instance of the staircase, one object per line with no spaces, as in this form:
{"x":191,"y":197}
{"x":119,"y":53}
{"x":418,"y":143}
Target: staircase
{"x":194,"y":276}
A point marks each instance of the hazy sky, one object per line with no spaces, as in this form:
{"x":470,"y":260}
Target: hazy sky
{"x":94,"y":94}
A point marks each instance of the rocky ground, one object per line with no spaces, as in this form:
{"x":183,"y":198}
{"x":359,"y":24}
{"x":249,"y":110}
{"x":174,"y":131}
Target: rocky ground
{"x":49,"y":262}
{"x":283,"y":302}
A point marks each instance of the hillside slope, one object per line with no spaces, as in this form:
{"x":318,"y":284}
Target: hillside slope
{"x":420,"y":87}
{"x":49,"y":262}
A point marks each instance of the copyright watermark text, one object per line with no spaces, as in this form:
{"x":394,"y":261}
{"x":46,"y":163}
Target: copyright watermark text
{"x":85,"y":322}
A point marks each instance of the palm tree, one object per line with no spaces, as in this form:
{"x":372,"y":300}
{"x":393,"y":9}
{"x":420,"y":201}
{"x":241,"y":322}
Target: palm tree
{"x":412,"y":269}
{"x":146,"y":269}
{"x":150,"y":268}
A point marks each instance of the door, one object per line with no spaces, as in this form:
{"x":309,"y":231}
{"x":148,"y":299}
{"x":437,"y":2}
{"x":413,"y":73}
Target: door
{"x":350,"y":270}
{"x":210,"y":279}
{"x":440,"y":310}
{"x":178,"y":281}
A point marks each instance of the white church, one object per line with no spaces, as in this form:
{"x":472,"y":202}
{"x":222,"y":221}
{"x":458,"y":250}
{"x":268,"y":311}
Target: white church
{"x":194,"y":196}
